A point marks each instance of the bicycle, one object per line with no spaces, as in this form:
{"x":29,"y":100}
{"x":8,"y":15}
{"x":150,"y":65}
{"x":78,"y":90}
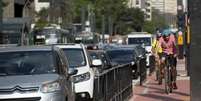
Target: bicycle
{"x":167,"y":74}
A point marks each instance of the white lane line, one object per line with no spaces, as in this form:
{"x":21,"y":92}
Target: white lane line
{"x":145,"y":91}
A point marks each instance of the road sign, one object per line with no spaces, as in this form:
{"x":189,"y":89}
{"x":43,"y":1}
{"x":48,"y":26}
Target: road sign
{"x":180,"y":38}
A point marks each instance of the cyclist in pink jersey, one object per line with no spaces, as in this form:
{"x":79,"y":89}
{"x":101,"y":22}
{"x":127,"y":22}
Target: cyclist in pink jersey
{"x":169,"y":51}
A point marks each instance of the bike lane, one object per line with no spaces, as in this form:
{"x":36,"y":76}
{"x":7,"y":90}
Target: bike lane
{"x":151,"y":91}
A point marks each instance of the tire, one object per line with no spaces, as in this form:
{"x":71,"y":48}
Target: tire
{"x":167,"y":88}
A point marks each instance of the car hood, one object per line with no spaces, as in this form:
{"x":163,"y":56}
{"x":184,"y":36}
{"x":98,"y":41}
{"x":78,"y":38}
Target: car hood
{"x":26,"y":81}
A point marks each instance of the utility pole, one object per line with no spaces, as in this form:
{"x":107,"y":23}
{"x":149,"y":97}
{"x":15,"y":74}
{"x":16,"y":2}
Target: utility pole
{"x":103,"y":29}
{"x":110,"y":25}
{"x":195,"y":55}
{"x":83,"y":18}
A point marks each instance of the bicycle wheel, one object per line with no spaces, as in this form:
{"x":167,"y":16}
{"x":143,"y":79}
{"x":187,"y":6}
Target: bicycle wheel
{"x":170,"y":80}
{"x":167,"y":88}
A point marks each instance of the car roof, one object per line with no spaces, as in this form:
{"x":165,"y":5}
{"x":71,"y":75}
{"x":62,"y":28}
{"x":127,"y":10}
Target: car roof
{"x":69,"y":46}
{"x":119,"y":49}
{"x":25,"y":48}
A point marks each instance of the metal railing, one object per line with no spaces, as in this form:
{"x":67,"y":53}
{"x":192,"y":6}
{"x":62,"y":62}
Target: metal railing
{"x":152,"y":64}
{"x":114,"y":84}
{"x":143,"y":70}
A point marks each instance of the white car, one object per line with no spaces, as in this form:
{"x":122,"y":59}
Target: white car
{"x":78,"y":58}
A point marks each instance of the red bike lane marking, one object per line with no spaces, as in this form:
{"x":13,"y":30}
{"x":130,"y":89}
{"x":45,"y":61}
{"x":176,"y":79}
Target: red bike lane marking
{"x":154,"y":92}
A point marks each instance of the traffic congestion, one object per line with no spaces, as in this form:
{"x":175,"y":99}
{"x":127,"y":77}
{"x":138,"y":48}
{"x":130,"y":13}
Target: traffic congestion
{"x":94,"y":50}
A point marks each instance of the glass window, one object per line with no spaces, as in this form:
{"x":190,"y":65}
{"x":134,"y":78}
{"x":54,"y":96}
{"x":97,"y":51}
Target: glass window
{"x":145,"y":41}
{"x":137,"y":2}
{"x":121,"y":56}
{"x":76,"y":57}
{"x":26,"y":63}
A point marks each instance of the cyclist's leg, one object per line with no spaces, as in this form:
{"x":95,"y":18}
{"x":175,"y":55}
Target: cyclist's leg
{"x":157,"y":67}
{"x":158,"y":58}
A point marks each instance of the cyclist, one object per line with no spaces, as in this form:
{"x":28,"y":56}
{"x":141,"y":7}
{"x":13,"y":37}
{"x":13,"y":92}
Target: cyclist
{"x":157,"y":52}
{"x":169,"y":52}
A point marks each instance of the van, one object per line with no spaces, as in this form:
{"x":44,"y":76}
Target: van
{"x":141,"y":38}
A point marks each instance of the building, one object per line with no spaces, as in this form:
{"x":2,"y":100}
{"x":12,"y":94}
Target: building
{"x":16,"y":21}
{"x":40,"y":4}
{"x":144,"y":5}
{"x":168,"y":8}
{"x":18,"y":8}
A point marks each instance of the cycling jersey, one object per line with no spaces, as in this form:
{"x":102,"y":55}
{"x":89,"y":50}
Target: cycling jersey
{"x":168,"y":47}
{"x":157,"y":46}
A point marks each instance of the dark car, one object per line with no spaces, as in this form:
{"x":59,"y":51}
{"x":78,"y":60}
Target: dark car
{"x":35,"y":73}
{"x":102,"y":55}
{"x":125,"y":55}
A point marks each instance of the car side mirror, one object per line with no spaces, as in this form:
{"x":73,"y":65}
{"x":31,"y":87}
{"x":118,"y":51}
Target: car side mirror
{"x":96,"y":62}
{"x":132,"y":63}
{"x":72,"y":71}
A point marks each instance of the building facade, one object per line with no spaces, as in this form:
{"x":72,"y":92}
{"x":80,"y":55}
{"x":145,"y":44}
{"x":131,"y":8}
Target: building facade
{"x":18,"y":8}
{"x":168,"y":8}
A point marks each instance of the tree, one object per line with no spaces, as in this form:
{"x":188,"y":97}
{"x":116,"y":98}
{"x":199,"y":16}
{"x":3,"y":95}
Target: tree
{"x":131,"y":19}
{"x":43,"y":18}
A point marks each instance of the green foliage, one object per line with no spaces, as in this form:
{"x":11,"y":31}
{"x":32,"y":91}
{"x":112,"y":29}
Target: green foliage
{"x":42,"y":16}
{"x":133,"y":18}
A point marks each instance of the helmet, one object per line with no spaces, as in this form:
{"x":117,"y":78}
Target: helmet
{"x":166,"y":32}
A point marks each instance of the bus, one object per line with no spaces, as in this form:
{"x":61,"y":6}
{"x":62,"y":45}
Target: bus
{"x":52,"y":36}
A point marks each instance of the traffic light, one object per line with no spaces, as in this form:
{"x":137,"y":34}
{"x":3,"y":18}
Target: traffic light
{"x":181,"y":21}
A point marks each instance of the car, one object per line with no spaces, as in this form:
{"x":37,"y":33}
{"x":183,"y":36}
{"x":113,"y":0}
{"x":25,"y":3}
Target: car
{"x":124,"y":55}
{"x":121,"y":55}
{"x":101,"y":55}
{"x":79,"y":58}
{"x":35,"y":73}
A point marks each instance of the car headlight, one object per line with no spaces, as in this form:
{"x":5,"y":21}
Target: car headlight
{"x":82,"y":77}
{"x":50,"y":87}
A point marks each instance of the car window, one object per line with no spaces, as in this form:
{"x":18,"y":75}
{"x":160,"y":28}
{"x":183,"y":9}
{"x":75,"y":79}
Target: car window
{"x":76,"y":57}
{"x":121,"y":56}
{"x":26,"y":63}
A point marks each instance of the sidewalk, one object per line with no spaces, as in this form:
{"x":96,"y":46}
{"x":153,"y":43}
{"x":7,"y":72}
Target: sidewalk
{"x":151,"y":91}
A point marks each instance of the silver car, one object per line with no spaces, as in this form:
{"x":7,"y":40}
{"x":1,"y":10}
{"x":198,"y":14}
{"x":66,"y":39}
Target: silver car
{"x":37,"y":73}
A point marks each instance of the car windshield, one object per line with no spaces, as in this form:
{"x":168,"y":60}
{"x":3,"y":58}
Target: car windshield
{"x":26,"y":63}
{"x":121,"y":56}
{"x":75,"y":57}
{"x":93,"y":55}
{"x":146,"y":41}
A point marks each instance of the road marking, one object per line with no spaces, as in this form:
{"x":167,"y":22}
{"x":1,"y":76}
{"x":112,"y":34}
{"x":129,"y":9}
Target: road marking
{"x":183,"y":78}
{"x":145,"y":91}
